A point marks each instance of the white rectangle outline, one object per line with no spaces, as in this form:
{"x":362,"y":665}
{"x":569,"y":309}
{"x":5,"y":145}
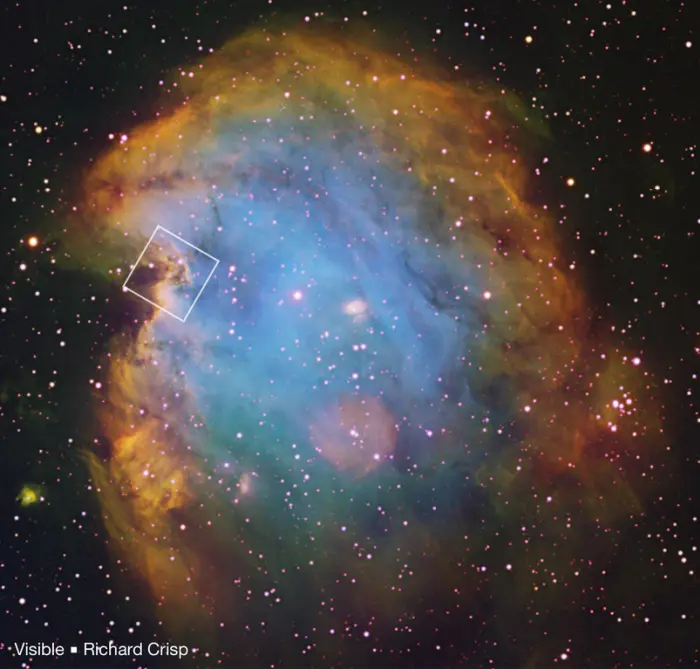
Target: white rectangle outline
{"x":138,"y":260}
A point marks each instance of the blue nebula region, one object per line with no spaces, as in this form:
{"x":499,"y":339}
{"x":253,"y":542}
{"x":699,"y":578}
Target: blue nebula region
{"x":335,"y":322}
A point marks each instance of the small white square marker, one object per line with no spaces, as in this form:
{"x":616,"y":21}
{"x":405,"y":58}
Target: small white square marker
{"x":214,"y":262}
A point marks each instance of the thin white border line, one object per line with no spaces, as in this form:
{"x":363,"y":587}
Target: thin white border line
{"x":184,"y":241}
{"x":138,"y":260}
{"x":196,"y":299}
{"x":201,"y":290}
{"x":157,"y":306}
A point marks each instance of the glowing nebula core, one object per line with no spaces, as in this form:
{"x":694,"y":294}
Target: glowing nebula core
{"x":390,"y":364}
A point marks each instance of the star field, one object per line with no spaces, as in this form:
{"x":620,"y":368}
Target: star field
{"x":435,"y":405}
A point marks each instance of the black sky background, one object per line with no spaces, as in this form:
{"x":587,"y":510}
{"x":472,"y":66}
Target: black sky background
{"x":608,"y":83}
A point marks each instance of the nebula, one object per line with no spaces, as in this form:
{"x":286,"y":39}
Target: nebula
{"x":391,"y":366}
